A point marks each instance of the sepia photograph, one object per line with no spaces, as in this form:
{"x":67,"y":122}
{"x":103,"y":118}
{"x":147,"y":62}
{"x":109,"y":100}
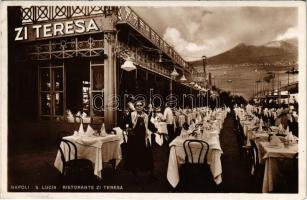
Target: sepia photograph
{"x":204,"y":98}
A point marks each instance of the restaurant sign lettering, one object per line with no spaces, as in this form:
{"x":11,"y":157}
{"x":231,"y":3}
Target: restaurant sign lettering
{"x":57,"y":29}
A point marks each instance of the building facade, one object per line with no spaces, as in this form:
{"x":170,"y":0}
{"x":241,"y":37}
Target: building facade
{"x":65,"y":62}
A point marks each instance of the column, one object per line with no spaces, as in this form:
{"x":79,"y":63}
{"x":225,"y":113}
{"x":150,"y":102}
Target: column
{"x":110,"y":82}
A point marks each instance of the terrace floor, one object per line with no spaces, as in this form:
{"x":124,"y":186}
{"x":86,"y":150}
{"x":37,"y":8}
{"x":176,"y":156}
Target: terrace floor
{"x":32,"y":165}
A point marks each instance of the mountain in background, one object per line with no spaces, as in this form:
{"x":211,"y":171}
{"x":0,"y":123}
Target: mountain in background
{"x":274,"y":51}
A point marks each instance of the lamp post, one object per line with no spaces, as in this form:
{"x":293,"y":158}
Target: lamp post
{"x":204,"y":58}
{"x":174,"y":74}
{"x":205,"y":71}
{"x":150,"y":95}
{"x":229,"y":81}
{"x":278,"y":88}
{"x":257,"y":88}
{"x":288,"y":90}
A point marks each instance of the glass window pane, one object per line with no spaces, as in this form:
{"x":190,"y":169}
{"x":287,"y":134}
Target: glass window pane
{"x":98,"y":77}
{"x":58,"y":103}
{"x":45,"y":104}
{"x":58,"y":79}
{"x":86,"y":97}
{"x":97,"y":103}
{"x":45,"y":79}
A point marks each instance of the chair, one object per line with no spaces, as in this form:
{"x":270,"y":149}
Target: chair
{"x":242,"y":141}
{"x":196,"y":171}
{"x":257,"y":169}
{"x":75,"y":170}
{"x":124,"y":148}
{"x":200,"y":149}
{"x":254,"y":158}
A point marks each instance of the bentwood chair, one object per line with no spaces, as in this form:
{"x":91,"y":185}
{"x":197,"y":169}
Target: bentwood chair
{"x":257,"y":169}
{"x":75,"y":170}
{"x":242,"y":141}
{"x":196,"y":171}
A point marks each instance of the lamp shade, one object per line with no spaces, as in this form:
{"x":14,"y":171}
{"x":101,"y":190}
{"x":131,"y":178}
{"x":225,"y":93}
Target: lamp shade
{"x":160,"y":57}
{"x":174,"y":73}
{"x":183,"y":78}
{"x":128,"y":65}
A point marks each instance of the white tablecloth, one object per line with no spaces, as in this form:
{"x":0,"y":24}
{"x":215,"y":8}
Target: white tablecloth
{"x":272,"y":158}
{"x":95,"y":149}
{"x":177,"y":158}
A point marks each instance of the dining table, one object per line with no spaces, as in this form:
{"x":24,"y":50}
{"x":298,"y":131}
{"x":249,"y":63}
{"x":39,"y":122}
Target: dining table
{"x":177,"y":157}
{"x":275,"y":157}
{"x":97,"y":149}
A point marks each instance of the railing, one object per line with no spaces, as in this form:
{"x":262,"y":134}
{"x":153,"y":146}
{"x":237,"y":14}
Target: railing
{"x":65,"y":48}
{"x":34,"y":14}
{"x":127,"y":15}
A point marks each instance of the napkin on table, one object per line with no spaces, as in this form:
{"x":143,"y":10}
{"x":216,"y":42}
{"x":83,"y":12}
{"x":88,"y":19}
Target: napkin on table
{"x":76,"y":133}
{"x":81,"y":129}
{"x":275,"y":140}
{"x":89,"y":131}
{"x":260,"y":128}
{"x":103,"y":130}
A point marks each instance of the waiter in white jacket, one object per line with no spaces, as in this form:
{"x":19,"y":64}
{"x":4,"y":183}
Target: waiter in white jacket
{"x":168,"y":117}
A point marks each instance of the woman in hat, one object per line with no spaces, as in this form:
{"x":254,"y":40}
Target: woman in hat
{"x":139,"y":150}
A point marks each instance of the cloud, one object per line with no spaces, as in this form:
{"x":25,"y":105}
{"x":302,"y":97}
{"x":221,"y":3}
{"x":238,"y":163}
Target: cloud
{"x":195,"y":31}
{"x":290,"y":33}
{"x":191,"y":50}
{"x":193,"y":28}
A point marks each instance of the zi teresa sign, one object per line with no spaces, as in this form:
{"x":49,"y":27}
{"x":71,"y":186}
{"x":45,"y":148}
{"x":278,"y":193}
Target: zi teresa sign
{"x":63,"y":28}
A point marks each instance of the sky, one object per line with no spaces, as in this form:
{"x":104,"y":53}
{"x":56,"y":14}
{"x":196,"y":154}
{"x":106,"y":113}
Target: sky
{"x":197,"y":31}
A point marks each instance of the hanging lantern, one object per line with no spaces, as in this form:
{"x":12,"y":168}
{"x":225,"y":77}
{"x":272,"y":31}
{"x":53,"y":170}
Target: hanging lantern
{"x":128,"y":65}
{"x":174,"y":73}
{"x":160,"y":56}
{"x":183,"y":78}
